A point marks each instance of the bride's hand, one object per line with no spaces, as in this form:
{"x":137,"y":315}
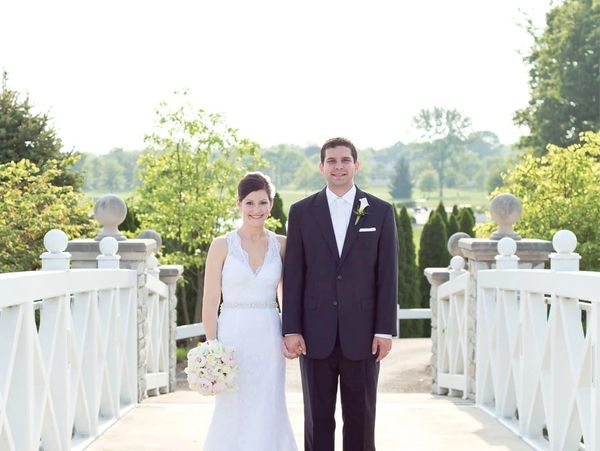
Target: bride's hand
{"x":294,"y":346}
{"x":287,"y":354}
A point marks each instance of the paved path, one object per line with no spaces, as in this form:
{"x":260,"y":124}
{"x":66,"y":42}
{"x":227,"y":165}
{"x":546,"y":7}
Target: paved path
{"x":408,"y":418}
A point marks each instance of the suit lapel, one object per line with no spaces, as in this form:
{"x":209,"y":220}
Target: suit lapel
{"x":352,"y":231}
{"x":323,"y":217}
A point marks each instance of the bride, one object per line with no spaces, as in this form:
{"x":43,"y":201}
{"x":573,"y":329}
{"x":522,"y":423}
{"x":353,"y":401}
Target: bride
{"x":244,"y":267}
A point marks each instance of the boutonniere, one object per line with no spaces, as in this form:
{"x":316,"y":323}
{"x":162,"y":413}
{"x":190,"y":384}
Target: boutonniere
{"x":360,"y":211}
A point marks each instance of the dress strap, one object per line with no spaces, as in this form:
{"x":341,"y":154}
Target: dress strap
{"x":234,"y":246}
{"x":274,"y":245}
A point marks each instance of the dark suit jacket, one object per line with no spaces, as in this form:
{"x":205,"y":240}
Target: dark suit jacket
{"x":354,"y":295}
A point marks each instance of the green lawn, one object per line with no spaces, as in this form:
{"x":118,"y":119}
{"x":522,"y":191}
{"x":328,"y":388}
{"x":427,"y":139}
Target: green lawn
{"x":451,"y":196}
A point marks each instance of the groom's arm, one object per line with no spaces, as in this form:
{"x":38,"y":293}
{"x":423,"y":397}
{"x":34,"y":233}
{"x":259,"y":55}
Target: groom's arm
{"x":387,"y":277}
{"x":293,"y":276}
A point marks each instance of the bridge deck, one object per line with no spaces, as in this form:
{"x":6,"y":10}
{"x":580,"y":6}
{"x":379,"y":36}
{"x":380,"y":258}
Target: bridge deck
{"x":408,"y":418}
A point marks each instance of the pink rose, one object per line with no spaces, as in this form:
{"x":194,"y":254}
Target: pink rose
{"x":218,"y":388}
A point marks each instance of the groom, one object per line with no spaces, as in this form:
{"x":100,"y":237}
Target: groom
{"x":339,"y":300}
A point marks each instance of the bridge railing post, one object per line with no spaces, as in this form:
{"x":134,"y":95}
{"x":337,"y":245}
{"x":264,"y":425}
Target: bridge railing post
{"x":110,"y":211}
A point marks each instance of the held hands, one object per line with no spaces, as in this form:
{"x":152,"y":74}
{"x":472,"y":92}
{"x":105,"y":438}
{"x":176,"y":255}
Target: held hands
{"x":383,"y":345}
{"x":293,"y":346}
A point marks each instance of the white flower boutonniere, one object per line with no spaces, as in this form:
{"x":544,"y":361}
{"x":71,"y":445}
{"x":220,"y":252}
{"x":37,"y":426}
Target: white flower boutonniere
{"x":360,"y":211}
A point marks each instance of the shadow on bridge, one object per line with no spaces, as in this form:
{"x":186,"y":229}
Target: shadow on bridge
{"x":408,"y":416}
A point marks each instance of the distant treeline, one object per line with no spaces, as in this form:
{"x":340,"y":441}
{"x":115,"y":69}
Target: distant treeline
{"x":476,"y":166}
{"x":112,"y":172}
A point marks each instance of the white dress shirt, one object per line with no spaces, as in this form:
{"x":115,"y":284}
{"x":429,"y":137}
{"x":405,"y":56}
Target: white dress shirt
{"x":340,"y":209}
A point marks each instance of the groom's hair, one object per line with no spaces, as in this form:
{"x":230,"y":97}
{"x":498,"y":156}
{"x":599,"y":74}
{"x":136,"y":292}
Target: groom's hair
{"x":335,"y":142}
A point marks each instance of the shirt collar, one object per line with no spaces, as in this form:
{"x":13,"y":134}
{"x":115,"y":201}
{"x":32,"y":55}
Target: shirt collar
{"x":348,"y":197}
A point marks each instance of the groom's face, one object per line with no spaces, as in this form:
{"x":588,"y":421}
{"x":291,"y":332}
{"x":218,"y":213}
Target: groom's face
{"x":339,"y":167}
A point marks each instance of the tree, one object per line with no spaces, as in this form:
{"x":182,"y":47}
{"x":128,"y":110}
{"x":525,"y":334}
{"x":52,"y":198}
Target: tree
{"x":444,"y":132}
{"x":188,"y":188}
{"x":308,"y":177}
{"x":112,"y":177}
{"x":563,"y":77}
{"x":486,"y":144}
{"x":278,"y":213}
{"x":28,"y":136}
{"x":560,"y":190}
{"x":408,"y":281}
{"x":441,"y":209}
{"x":115,"y":171}
{"x":494,"y":179}
{"x":466,"y":222}
{"x":32,"y":204}
{"x":401,"y":186}
{"x":283,"y":161}
{"x":131,"y":224}
{"x":453,"y":226}
{"x":433,"y":252}
{"x":428,"y":181}
{"x":455,"y":210}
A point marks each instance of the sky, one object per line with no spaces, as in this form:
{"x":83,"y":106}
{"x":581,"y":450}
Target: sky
{"x":279,"y":71}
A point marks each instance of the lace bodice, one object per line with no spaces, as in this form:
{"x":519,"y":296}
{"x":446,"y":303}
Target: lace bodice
{"x":239,"y":283}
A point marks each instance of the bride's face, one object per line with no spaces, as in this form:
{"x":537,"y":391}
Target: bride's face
{"x":255,"y":208}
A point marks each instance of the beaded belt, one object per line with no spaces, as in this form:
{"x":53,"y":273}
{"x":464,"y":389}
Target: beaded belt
{"x":249,"y":305}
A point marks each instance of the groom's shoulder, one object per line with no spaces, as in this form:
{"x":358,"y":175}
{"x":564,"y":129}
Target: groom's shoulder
{"x":303,"y":203}
{"x":376,"y":201}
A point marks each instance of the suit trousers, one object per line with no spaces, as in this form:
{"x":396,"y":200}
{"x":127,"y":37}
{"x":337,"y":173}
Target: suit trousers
{"x":358,"y":392}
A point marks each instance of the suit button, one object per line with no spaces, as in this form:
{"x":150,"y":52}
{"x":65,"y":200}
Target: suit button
{"x":339,"y":277}
{"x":335,"y":303}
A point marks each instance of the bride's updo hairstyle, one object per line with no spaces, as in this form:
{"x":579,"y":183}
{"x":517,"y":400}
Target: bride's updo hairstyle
{"x":255,"y":181}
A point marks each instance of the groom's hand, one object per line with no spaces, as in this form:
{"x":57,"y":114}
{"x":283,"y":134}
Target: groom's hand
{"x":294,"y":346}
{"x":383,"y":345}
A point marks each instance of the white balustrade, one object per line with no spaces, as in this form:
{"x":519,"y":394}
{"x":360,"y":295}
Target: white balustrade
{"x":68,"y":368}
{"x":452,"y":338}
{"x":157,"y":327}
{"x":538,"y":348}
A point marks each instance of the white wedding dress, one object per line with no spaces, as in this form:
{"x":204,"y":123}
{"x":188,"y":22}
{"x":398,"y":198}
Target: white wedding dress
{"x":255,"y":417}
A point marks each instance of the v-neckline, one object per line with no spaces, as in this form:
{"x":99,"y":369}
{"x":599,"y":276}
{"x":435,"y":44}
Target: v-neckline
{"x":247,"y":257}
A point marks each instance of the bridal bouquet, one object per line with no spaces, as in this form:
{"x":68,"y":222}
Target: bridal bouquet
{"x":212,"y":368}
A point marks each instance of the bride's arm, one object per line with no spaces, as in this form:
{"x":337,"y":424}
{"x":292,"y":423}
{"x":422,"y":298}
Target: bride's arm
{"x":281,"y":240}
{"x":212,"y":286}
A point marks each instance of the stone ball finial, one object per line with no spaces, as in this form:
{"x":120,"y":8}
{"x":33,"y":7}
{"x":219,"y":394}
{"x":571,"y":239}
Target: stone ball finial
{"x":506,"y":211}
{"x":457,"y":263}
{"x":564,"y":241}
{"x":56,"y":241}
{"x":109,"y":246}
{"x":151,"y":235}
{"x":453,"y":248}
{"x":110,"y":211}
{"x":507,"y":247}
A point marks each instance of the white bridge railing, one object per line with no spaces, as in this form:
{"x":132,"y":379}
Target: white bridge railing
{"x":157,"y":326}
{"x":197,"y":329}
{"x":452,"y":333}
{"x":538,"y":358}
{"x":537,"y":346}
{"x":68,"y":342}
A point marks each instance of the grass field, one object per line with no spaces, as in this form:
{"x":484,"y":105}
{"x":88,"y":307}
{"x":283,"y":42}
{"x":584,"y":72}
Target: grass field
{"x":474,"y":199}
